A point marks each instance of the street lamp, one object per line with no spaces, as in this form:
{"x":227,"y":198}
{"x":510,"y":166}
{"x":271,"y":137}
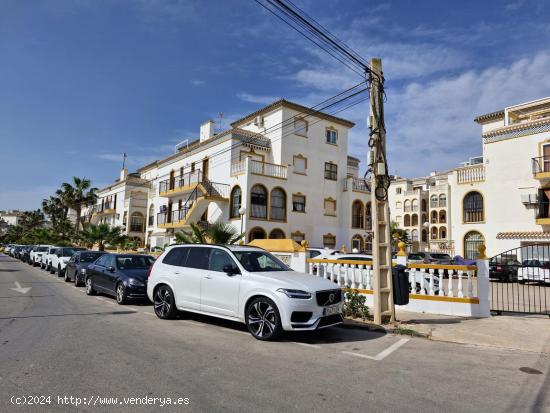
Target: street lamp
{"x":242,"y":211}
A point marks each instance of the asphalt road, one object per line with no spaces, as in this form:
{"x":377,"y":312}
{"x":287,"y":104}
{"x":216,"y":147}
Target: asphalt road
{"x":56,"y":341}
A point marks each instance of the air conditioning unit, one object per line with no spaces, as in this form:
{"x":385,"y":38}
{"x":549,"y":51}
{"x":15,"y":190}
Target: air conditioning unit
{"x":259,"y":121}
{"x":529,"y":199}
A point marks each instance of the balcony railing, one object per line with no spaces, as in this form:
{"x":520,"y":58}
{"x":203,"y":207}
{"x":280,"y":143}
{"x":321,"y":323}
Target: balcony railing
{"x":99,"y":208}
{"x":540,"y":164}
{"x":357,"y":185}
{"x":181,"y":181}
{"x":260,"y":168}
{"x":470,"y":174}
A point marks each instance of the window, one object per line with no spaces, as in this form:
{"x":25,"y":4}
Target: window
{"x":329,"y":241}
{"x":414,"y":220}
{"x":331,"y":136}
{"x":424,"y":218}
{"x":433,"y":233}
{"x":433,"y":201}
{"x":300,"y":127}
{"x":424,"y":206}
{"x":407,"y":206}
{"x":442,"y":216}
{"x":407,"y":220}
{"x":331,"y":171}
{"x":198,"y":258}
{"x":473,"y":207}
{"x":298,"y":236}
{"x":300,"y":164}
{"x":151,"y":215}
{"x":236,"y":197}
{"x":259,"y":261}
{"x":136,"y":222}
{"x":330,"y":207}
{"x":414,"y":205}
{"x":434,"y":217}
{"x":298,"y":203}
{"x":414,"y":235}
{"x":176,"y":256}
{"x":219,"y":259}
{"x":278,"y":205}
{"x":472,"y":241}
{"x":442,"y":233}
{"x":101,"y":261}
{"x":424,"y":235}
{"x":133,"y":262}
{"x":357,"y":214}
{"x":277,"y":234}
{"x":398,"y":191}
{"x":357,"y":243}
{"x":257,"y":233}
{"x":368,"y":214}
{"x":258,"y":202}
{"x":442,"y":201}
{"x":125,"y":218}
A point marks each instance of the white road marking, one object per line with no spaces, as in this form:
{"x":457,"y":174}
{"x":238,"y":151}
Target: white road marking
{"x":383,"y":354}
{"x":148,"y":313}
{"x":19,"y":289}
{"x":306,"y":344}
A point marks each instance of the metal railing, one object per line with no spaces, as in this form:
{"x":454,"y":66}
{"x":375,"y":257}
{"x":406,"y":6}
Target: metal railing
{"x":181,"y":181}
{"x":540,"y":164}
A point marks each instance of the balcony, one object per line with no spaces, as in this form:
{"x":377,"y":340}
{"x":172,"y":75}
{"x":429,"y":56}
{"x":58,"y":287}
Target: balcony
{"x":104,"y":209}
{"x":357,"y":185}
{"x":259,"y":168}
{"x":180,"y":184}
{"x":471,"y":174}
{"x":541,"y":167}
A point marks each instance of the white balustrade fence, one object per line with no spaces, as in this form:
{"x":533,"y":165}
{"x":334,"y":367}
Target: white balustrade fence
{"x":353,"y":274}
{"x":471,"y":174}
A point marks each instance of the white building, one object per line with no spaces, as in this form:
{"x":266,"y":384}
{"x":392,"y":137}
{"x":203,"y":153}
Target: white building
{"x":11,"y":217}
{"x":280,"y":172}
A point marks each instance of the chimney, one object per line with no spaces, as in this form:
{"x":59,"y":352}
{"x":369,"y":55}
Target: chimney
{"x":123,"y":174}
{"x":207,"y":130}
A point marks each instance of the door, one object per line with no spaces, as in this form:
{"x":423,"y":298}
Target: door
{"x":220,"y":291}
{"x":71,"y":265}
{"x":546,"y":158}
{"x":180,"y":264}
{"x":172,"y":180}
{"x":98,"y":272}
{"x":205,"y":169}
{"x":110,"y":277}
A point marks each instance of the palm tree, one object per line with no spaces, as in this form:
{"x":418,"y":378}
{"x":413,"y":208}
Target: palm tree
{"x":397,"y":234}
{"x":101,"y":235}
{"x":76,"y":195}
{"x":54,"y":208}
{"x":31,"y":220}
{"x":217,"y":233}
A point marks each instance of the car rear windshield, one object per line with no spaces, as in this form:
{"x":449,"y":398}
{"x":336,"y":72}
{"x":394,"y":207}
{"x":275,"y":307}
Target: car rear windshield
{"x":441,"y":256}
{"x":68,"y":252}
{"x":136,"y":262}
{"x":89,"y":256}
{"x":259,"y":261}
{"x":415,"y":257}
{"x":41,"y":249}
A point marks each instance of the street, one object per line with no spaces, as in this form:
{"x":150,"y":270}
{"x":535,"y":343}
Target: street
{"x":57,"y":341}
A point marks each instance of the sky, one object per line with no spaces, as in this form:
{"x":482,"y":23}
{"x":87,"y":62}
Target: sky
{"x":84,"y":81}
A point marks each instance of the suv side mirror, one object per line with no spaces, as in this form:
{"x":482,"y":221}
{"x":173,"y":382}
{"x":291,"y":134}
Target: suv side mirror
{"x":231,"y":270}
{"x":111,"y":269}
{"x":58,"y":255}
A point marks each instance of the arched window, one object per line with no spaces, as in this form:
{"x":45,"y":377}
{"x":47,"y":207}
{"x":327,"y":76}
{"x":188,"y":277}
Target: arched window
{"x":136,"y":222}
{"x":442,"y":217}
{"x":433,"y":233}
{"x":472,"y":206}
{"x":407,"y":220}
{"x":433,"y":217}
{"x":407,"y":206}
{"x":258,"y":202}
{"x":277,"y":234}
{"x":442,"y":233}
{"x":414,"y":205}
{"x":256,"y":233}
{"x":472,"y":241}
{"x":442,"y":201}
{"x":236,"y":201}
{"x":357,"y":214}
{"x":424,"y":205}
{"x":152,"y":215}
{"x":414,"y":220}
{"x":278,"y":205}
{"x":414,"y":235}
{"x":357,"y":243}
{"x":368,"y":214}
{"x":424,"y":218}
{"x":433,"y":201}
{"x":408,"y":232}
{"x":424,"y":235}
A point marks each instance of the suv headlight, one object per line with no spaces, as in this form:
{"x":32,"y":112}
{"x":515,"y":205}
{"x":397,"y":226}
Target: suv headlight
{"x":137,"y":283}
{"x":304,"y":295}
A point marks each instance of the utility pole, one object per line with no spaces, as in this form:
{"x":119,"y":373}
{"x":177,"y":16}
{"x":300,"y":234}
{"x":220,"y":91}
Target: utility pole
{"x":384,"y":310}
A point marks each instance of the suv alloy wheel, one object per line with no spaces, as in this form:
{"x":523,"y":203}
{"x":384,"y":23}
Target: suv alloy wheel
{"x":90,"y":286}
{"x":263,"y":320}
{"x":164,"y":303}
{"x":121,"y":296}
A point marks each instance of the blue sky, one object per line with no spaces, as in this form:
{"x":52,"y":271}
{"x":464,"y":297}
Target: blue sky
{"x":83,"y":81}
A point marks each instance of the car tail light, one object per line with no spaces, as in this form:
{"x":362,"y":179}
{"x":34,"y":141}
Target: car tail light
{"x":499,"y":268}
{"x":149,"y":270}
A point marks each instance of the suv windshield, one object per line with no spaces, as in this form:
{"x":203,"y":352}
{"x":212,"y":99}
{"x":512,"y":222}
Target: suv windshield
{"x":441,"y":256}
{"x":259,"y":261}
{"x":135,"y":262}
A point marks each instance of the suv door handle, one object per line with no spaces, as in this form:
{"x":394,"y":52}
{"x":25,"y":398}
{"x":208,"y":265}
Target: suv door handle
{"x":208,"y":277}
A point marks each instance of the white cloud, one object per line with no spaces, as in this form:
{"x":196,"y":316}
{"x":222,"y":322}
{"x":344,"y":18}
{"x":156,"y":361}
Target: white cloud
{"x":197,"y":82}
{"x":263,"y":100}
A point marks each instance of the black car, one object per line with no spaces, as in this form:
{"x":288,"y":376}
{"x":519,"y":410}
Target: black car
{"x":17,"y":251}
{"x":504,"y":269}
{"x":78,"y":264}
{"x":121,"y":275}
{"x":25,"y":254}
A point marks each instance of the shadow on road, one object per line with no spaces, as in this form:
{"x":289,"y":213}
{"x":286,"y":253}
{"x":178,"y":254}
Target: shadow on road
{"x":70,"y":315}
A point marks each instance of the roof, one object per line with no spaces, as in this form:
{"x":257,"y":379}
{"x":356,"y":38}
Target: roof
{"x":277,"y":245}
{"x":283,"y":102}
{"x":490,"y":116}
{"x":524,"y":235}
{"x":353,"y":158}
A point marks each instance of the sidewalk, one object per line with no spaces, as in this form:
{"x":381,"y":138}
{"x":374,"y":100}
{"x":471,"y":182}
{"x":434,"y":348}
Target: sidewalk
{"x":521,"y":332}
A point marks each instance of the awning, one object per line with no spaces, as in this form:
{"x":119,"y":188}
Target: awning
{"x":525,"y":235}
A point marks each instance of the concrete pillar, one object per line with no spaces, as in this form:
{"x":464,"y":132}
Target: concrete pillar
{"x":483,"y":288}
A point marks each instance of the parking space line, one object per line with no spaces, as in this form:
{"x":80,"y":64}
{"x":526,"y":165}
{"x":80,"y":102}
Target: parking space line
{"x":235,"y":331}
{"x":383,"y":354}
{"x":148,"y":313}
{"x":306,"y":345}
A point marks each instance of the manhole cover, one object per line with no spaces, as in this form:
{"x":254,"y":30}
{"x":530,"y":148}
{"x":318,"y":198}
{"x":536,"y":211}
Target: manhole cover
{"x":530,"y":370}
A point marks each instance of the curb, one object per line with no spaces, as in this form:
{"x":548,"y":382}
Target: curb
{"x":398,"y":330}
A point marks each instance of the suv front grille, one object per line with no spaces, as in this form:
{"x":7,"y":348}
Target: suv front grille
{"x":329,"y":297}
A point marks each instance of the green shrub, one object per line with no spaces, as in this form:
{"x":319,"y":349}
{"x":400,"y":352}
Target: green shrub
{"x":354,"y":305}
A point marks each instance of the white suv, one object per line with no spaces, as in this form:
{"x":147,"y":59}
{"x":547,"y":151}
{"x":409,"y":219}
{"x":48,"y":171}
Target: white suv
{"x":46,"y":259}
{"x":35,"y":256}
{"x":245,"y":284}
{"x":60,"y":257}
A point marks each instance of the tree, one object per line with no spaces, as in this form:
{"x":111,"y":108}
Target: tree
{"x":397,"y":234}
{"x":53,"y":207}
{"x":217,"y":233}
{"x":102,"y":235}
{"x":31,"y":219}
{"x":76,"y":195}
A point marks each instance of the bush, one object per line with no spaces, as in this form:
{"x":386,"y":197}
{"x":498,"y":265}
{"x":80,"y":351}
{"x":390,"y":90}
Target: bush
{"x":354,"y":306}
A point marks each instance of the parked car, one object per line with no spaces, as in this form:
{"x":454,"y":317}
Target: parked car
{"x":16,"y":253}
{"x":60,"y":258}
{"x":459,"y":260}
{"x":534,"y":271}
{"x":245,"y":284}
{"x":504,"y":269}
{"x":36,"y":254}
{"x":26,"y":253}
{"x":47,"y":257}
{"x":121,"y":275}
{"x":430,"y":258}
{"x":317,"y":252}
{"x":78,"y":264}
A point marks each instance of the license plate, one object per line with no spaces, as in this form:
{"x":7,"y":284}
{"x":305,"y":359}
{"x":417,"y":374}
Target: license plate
{"x":335,"y":309}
